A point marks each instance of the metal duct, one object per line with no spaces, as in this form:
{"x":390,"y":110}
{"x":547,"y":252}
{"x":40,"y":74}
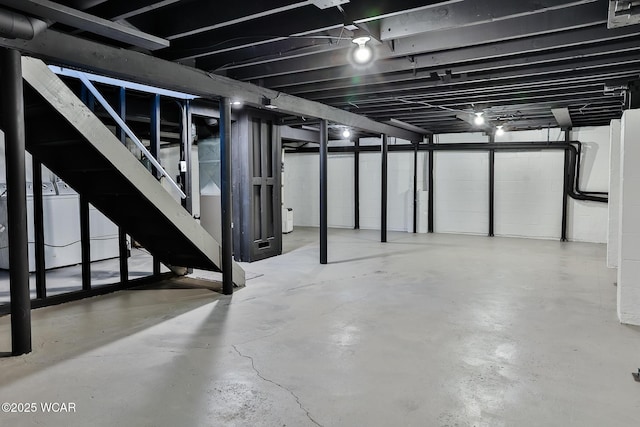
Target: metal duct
{"x":17,"y":26}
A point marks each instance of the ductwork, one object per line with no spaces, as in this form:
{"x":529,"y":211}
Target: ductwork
{"x":17,"y":26}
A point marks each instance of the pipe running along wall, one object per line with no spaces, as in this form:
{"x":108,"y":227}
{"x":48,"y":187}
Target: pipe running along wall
{"x":573,"y":147}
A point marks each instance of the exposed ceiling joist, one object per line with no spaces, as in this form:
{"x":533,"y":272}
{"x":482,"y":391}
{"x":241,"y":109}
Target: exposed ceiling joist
{"x":463,"y":14}
{"x":49,"y":10}
{"x":125,"y":9}
{"x":520,"y":47}
{"x":145,"y":69}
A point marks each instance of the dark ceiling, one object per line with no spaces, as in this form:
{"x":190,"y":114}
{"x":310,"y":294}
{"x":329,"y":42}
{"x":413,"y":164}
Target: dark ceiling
{"x":437,"y":62}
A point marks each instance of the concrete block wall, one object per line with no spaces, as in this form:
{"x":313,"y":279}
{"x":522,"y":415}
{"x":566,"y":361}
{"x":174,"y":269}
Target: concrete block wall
{"x":528,"y":191}
{"x":461,"y":194}
{"x":588,"y":221}
{"x":629,"y":226}
{"x":528,"y":194}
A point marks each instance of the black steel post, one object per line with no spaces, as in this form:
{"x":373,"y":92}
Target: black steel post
{"x":85,"y":243}
{"x":185,"y":168}
{"x":123,"y":251}
{"x":154,"y":149}
{"x":383,"y":190}
{"x":356,"y":185}
{"x":415,"y":188}
{"x":431,"y":189}
{"x":154,"y":138}
{"x":122,"y":112}
{"x":565,"y":188}
{"x":12,"y":119}
{"x":38,"y":230}
{"x":492,"y":181}
{"x":123,"y":256}
{"x":324,"y":155}
{"x":226,"y":195}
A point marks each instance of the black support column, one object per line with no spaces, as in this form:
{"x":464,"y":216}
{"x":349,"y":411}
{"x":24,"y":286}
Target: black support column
{"x":356,"y":185}
{"x":123,"y":251}
{"x":492,"y":183}
{"x":226,"y":200}
{"x":431,"y":189}
{"x":85,"y":243}
{"x":383,"y":189}
{"x":565,"y":187}
{"x":185,"y":174}
{"x":154,"y":149}
{"x":415,"y":188}
{"x":324,"y":155}
{"x":38,"y":230}
{"x":12,"y":119}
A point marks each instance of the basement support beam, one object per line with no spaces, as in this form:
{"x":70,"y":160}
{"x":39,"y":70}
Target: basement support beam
{"x":431,"y":188}
{"x":123,"y":250}
{"x":356,"y":185}
{"x":141,"y":68}
{"x":565,"y":188}
{"x":226,"y":176}
{"x":12,"y":121}
{"x":324,"y":155}
{"x":383,"y":189}
{"x":415,"y":188}
{"x":154,"y":149}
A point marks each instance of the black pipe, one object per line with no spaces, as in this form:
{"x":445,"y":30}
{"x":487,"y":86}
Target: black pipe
{"x":324,"y":141}
{"x":415,"y":188}
{"x":85,"y":243}
{"x":383,"y":189}
{"x":431,"y":188}
{"x":492,"y":184}
{"x":356,"y":185}
{"x":12,"y":120}
{"x":17,"y":26}
{"x":226,"y":195}
{"x":38,"y":229}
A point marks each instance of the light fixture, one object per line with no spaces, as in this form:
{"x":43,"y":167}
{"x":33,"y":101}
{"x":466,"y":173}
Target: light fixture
{"x":236,"y":103}
{"x":346,"y":133}
{"x":363,"y":54}
{"x":266,"y":103}
{"x":479,"y":119}
{"x":499,"y":130}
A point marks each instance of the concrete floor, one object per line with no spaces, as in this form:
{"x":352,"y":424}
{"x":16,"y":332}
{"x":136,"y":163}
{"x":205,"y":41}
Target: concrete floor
{"x":426,"y":330}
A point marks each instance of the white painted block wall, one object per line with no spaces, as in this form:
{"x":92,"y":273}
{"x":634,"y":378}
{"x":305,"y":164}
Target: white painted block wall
{"x":528,"y":193}
{"x":461,"y":193}
{"x":629,"y":226}
{"x":614,"y":195}
{"x":588,"y":221}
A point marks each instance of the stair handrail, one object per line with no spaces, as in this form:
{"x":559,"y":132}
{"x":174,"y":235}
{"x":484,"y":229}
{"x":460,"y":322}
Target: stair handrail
{"x":115,"y":116}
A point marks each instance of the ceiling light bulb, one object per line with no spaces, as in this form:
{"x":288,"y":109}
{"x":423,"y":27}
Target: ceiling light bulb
{"x":236,"y":103}
{"x":346,"y":133}
{"x":479,"y":120}
{"x":363,"y":54}
{"x":499,"y":130}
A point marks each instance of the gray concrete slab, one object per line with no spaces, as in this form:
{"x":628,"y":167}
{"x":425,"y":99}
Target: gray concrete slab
{"x":426,"y":330}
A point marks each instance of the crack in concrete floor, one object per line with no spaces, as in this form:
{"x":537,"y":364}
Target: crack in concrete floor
{"x":278,"y":385}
